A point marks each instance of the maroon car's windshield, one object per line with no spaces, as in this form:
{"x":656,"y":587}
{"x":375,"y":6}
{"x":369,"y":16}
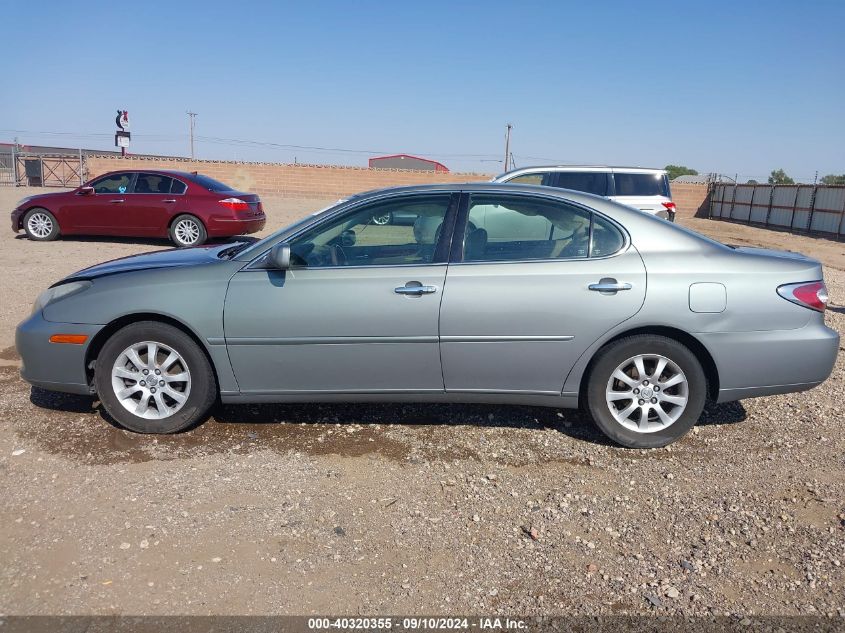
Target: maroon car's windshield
{"x":209,"y":183}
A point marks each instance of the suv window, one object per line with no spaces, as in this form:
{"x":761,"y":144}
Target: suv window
{"x":115,"y":183}
{"x":503,"y":228}
{"x":528,"y":179}
{"x":152,"y":183}
{"x":402,"y":231}
{"x":641,"y":184}
{"x":594,"y":182}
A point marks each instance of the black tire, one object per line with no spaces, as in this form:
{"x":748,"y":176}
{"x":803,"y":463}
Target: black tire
{"x":48,"y":220}
{"x":197,"y":228}
{"x":612,"y":356}
{"x":203,"y":385}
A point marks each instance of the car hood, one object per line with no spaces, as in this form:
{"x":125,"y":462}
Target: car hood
{"x":176,"y":257}
{"x":40,"y":196}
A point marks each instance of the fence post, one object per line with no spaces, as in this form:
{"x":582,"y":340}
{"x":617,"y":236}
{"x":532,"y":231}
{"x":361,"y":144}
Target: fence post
{"x":80,"y":167}
{"x":812,"y":209}
{"x":15,"y":163}
{"x":771,"y":201}
{"x":794,"y":208}
{"x":733,"y":202}
{"x":751,"y":204}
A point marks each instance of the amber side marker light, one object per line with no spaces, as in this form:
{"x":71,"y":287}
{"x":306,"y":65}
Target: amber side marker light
{"x":72,"y":339}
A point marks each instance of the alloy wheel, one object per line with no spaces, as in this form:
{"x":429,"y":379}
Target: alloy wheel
{"x":187,"y":232}
{"x":151,"y":380}
{"x":647,"y":393}
{"x":40,"y":225}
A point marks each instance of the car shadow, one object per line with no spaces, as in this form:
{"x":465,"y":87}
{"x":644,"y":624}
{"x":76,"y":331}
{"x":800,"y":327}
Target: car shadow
{"x":570,"y":422}
{"x":838,"y":309}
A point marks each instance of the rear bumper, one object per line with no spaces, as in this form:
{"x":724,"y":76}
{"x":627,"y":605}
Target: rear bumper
{"x":764,"y":363}
{"x":226,"y":227}
{"x":53,"y":366}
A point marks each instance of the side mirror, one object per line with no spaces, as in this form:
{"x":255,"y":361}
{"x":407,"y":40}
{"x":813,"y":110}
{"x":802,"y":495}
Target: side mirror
{"x":85,"y":191}
{"x":279,"y":257}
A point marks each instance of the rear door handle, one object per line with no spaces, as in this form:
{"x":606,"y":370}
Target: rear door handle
{"x":415,"y":288}
{"x":169,"y":200}
{"x":117,"y":201}
{"x":609,"y":284}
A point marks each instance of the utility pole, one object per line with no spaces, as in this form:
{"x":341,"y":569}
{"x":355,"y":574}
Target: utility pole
{"x":508,"y":146}
{"x":191,"y":117}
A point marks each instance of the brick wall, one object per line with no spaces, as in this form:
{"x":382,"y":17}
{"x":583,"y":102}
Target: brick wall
{"x":692,"y":199}
{"x":285,"y":180}
{"x":328,"y":181}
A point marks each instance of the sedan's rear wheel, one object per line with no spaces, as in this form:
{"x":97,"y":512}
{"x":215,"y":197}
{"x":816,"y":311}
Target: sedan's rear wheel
{"x":40,"y":225}
{"x":187,"y":230}
{"x":153,"y":378}
{"x":646,"y":391}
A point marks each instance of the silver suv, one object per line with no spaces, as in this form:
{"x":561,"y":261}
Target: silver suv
{"x":639,"y":187}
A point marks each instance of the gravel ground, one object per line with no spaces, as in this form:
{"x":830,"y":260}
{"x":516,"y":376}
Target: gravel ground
{"x":414,"y":509}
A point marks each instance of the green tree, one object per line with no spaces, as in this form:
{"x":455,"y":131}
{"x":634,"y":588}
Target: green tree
{"x":751,"y":182}
{"x":679,"y":170}
{"x":779,"y":177}
{"x":833,"y":179}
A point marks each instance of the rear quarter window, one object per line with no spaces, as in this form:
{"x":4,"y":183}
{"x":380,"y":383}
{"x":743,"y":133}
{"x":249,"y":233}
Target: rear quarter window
{"x":607,"y":239}
{"x":641,"y":184}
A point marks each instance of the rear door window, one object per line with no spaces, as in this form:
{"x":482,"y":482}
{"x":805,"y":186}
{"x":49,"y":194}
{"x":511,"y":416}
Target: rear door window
{"x":152,"y":183}
{"x":510,"y":228}
{"x":594,"y":182}
{"x":641,"y":184}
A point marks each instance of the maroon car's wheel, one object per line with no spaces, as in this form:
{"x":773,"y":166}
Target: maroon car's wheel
{"x":40,"y":225}
{"x":187,"y":230}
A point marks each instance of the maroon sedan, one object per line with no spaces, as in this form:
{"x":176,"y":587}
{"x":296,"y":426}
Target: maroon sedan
{"x":187,"y":207}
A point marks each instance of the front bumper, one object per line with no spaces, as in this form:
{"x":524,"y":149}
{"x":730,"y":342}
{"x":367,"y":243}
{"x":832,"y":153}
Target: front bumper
{"x":764,"y":363}
{"x":227,"y":227}
{"x":16,"y":220}
{"x":54,"y":366}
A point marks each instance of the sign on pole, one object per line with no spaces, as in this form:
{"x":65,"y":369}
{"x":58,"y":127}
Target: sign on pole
{"x":122,"y":136}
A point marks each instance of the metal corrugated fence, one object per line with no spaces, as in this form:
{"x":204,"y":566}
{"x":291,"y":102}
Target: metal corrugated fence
{"x":816,"y":209}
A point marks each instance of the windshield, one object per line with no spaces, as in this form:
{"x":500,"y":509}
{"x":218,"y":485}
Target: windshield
{"x":262,"y":245}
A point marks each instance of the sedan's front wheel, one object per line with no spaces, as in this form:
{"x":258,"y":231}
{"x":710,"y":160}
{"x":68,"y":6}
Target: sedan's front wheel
{"x":153,"y":378}
{"x":646,"y":391}
{"x":40,"y":225}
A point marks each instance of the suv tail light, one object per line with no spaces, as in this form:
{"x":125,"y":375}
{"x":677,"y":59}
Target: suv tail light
{"x":236,"y":204}
{"x":810,"y":294}
{"x":670,"y":207}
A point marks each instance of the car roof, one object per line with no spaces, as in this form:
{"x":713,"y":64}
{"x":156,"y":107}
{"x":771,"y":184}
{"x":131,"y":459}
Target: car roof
{"x":492,"y":187}
{"x":152,"y":170}
{"x":611,"y":168}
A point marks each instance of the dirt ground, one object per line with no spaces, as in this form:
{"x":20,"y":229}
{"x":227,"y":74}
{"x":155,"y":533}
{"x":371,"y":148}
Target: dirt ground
{"x":413,"y":509}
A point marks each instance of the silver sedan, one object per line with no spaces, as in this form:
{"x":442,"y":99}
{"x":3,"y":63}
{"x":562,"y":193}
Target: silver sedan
{"x":494,"y":293}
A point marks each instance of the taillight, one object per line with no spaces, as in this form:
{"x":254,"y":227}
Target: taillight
{"x":810,"y":294}
{"x":236,"y":204}
{"x":670,"y":206}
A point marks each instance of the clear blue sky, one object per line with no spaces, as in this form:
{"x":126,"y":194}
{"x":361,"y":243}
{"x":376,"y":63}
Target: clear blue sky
{"x":732,"y":87}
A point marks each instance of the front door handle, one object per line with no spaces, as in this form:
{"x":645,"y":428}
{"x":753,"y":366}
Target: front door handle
{"x":415,"y":288}
{"x":169,"y":200}
{"x":117,"y":201}
{"x":608,"y":284}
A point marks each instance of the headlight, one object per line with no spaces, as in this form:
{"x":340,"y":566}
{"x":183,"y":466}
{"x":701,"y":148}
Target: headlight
{"x":57,"y":292}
